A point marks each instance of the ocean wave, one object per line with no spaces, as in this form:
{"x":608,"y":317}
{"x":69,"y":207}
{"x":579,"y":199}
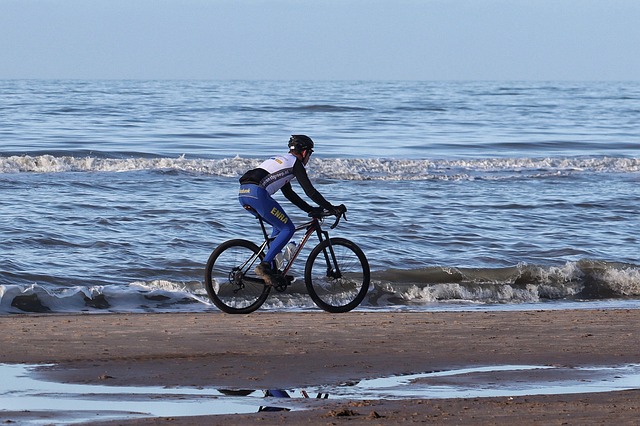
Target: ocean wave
{"x":584,"y":279}
{"x":332,"y":168}
{"x":154,"y":296}
{"x":391,"y":289}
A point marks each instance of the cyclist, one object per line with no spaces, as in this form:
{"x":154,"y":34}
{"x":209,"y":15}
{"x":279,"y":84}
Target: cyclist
{"x":259,"y":184}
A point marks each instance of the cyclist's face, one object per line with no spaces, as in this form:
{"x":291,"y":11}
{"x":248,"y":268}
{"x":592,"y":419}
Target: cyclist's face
{"x":307,"y":156}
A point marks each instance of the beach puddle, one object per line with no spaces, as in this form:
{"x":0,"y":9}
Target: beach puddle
{"x":27,"y":400}
{"x":43,"y":402}
{"x":493,"y":381}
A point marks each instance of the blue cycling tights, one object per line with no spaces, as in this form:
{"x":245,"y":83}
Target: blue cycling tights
{"x":271,"y":211}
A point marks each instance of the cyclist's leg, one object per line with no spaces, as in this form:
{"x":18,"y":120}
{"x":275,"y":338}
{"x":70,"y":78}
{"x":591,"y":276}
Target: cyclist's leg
{"x":283,"y":228}
{"x":271,"y":211}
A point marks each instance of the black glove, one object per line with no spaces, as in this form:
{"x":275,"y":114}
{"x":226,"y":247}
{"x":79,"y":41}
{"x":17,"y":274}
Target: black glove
{"x":316,"y":212}
{"x":338,"y":210}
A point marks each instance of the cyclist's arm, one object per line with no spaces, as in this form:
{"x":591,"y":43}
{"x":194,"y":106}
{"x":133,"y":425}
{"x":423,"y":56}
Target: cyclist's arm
{"x":288,"y":192}
{"x":301,"y":174}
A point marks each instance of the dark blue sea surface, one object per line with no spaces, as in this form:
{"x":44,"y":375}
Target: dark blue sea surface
{"x":463,"y":195}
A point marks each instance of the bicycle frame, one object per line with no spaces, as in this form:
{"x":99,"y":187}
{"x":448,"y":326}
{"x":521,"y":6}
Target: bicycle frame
{"x":314,"y":225}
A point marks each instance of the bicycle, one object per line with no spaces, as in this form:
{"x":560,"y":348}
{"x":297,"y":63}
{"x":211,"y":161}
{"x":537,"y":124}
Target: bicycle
{"x":336,"y":272}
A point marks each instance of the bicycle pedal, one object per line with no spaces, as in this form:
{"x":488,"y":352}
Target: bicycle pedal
{"x":282,"y":283}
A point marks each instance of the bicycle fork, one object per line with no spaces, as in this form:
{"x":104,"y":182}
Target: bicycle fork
{"x":333,"y":270}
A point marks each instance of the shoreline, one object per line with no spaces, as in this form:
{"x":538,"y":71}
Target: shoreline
{"x":268,"y":350}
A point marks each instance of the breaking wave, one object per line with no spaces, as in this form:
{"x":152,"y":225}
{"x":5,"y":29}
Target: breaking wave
{"x":418,"y":289}
{"x":335,"y":168}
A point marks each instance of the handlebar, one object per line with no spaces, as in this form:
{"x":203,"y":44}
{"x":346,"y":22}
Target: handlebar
{"x":341,"y":213}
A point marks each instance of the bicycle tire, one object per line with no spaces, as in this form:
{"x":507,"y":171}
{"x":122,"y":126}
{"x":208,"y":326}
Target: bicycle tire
{"x":332,"y":293}
{"x":232,"y":290}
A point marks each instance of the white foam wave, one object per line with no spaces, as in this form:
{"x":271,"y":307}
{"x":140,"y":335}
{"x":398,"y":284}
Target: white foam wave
{"x":53,"y":164}
{"x":391,"y":169}
{"x":624,"y":282}
{"x":339,"y":168}
{"x":156,"y":296}
{"x":524,"y":283}
{"x":585,"y":279}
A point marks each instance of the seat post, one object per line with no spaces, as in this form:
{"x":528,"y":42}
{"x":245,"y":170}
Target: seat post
{"x":261,"y":220}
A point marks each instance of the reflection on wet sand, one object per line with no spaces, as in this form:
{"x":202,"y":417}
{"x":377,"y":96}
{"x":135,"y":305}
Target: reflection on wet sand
{"x":74,"y":403}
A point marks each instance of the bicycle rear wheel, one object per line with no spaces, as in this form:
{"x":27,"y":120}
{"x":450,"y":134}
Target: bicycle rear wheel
{"x":337,"y":283}
{"x":231,"y":283}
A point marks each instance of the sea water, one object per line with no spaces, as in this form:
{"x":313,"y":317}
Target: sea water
{"x":462,"y":194}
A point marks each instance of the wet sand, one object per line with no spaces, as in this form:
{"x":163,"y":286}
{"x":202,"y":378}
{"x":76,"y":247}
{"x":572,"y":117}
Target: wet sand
{"x":295,"y":350}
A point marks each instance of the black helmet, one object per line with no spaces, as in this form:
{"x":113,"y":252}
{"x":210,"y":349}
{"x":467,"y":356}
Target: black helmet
{"x":299,"y":143}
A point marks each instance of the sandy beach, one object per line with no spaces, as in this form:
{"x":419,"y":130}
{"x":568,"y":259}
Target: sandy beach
{"x":295,"y":350}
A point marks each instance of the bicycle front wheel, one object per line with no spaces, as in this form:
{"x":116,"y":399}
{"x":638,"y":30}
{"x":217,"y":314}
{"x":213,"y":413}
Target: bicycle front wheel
{"x":337,"y":275}
{"x":231,"y":283}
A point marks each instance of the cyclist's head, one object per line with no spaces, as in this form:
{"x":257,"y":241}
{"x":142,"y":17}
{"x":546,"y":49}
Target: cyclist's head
{"x":301,"y":145}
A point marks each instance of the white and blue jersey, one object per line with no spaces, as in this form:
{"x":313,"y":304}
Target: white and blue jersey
{"x":277,"y":172}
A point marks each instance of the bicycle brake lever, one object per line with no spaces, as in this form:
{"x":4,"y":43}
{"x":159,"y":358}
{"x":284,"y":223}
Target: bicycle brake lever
{"x":338,"y":217}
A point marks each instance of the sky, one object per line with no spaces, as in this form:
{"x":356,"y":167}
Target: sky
{"x":321,"y":39}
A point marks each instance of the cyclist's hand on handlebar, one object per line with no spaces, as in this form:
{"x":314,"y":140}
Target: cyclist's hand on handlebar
{"x":338,"y":210}
{"x":316,"y":212}
{"x":333,"y":211}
